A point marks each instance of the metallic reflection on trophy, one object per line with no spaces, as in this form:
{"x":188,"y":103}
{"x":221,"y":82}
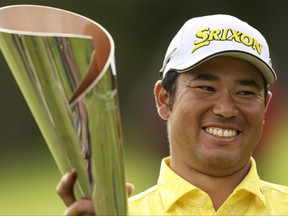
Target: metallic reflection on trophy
{"x":64,"y":66}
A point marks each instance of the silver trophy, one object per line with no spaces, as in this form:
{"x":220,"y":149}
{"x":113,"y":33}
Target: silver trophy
{"x":64,"y":66}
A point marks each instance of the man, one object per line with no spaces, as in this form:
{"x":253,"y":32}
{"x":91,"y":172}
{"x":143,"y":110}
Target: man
{"x":213,"y":96}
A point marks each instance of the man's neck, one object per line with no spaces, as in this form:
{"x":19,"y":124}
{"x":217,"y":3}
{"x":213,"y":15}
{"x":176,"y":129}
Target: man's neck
{"x":218,"y":188}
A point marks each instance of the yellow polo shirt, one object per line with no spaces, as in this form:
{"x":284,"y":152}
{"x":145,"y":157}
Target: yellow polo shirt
{"x":174,"y":196}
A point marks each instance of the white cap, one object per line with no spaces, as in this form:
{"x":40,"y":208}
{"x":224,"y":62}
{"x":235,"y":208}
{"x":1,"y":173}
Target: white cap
{"x":203,"y":38}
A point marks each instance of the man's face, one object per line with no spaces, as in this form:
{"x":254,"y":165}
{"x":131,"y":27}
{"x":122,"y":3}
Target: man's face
{"x":217,"y":116}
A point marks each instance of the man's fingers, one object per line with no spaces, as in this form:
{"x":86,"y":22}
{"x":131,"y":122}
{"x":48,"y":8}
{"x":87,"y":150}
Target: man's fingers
{"x":80,"y":207}
{"x":129,"y":188}
{"x":65,"y":188}
{"x":83,"y":206}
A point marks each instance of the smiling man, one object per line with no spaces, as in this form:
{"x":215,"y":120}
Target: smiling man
{"x":213,"y":95}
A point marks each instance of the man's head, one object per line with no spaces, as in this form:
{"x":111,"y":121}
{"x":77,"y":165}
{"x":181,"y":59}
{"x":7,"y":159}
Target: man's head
{"x":203,"y":38}
{"x":214,"y":94}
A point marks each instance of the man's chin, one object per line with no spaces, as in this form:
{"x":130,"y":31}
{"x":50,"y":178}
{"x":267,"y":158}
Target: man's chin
{"x":220,"y":165}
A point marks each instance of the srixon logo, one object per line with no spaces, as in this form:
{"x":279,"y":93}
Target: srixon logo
{"x":207,"y":35}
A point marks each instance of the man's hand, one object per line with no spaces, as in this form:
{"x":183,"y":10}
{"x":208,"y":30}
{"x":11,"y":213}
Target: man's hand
{"x":75,"y":207}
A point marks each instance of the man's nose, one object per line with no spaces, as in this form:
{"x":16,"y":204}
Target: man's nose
{"x":225,"y":106}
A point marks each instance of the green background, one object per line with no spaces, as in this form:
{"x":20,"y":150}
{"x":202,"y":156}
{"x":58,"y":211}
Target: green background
{"x":142,"y":31}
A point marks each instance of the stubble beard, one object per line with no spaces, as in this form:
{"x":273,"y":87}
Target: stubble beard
{"x":219,"y":166}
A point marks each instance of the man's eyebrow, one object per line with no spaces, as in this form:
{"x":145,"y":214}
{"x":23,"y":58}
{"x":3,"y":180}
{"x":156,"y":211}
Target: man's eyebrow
{"x":251,"y":83}
{"x":211,"y":77}
{"x":206,"y":77}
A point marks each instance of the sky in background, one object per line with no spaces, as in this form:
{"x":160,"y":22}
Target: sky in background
{"x":142,"y":31}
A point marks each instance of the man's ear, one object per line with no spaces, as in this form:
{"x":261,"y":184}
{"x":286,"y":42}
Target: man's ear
{"x":268,"y":99}
{"x":161,"y":100}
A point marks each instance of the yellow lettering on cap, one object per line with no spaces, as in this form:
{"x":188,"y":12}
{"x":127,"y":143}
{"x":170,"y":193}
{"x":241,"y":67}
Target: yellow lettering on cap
{"x":214,"y":35}
{"x":235,"y":35}
{"x":247,"y":40}
{"x":224,"y":34}
{"x":206,"y":35}
{"x":203,"y":35}
{"x":257,"y":46}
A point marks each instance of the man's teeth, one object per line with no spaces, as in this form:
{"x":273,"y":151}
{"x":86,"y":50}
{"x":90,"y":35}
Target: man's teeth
{"x":221,"y":132}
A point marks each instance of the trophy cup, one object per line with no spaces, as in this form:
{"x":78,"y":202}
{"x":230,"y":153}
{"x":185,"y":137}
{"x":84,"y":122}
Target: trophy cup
{"x":64,"y":66}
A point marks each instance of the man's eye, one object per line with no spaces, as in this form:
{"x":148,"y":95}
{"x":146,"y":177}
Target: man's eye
{"x":245,"y":93}
{"x":207,"y":88}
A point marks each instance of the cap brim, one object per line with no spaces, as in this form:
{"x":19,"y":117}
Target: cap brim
{"x":267,"y":71}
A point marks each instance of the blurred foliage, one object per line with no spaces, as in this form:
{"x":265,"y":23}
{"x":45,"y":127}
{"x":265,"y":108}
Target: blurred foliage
{"x":28,"y":180}
{"x":142,"y":30}
{"x":29,"y":177}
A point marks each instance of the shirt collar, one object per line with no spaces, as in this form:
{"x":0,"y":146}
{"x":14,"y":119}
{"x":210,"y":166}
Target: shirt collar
{"x":172,"y":187}
{"x":252,"y":183}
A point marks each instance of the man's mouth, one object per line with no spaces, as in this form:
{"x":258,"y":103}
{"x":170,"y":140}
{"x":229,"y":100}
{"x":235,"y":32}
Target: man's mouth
{"x":220,"y":132}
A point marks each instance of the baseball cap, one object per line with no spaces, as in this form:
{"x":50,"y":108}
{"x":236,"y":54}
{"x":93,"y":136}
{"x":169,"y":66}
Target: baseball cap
{"x":203,"y":38}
